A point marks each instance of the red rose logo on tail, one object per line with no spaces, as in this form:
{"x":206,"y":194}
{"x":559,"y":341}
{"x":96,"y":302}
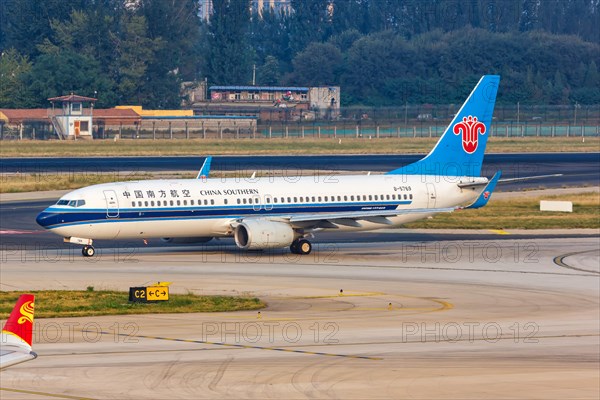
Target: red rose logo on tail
{"x":470,"y":128}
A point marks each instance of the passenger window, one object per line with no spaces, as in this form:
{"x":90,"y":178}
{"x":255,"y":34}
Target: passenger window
{"x":256,"y":200}
{"x":192,"y":202}
{"x":238,"y":201}
{"x":274,"y":199}
{"x":145,"y":204}
{"x":345,"y":198}
{"x":410,"y":196}
{"x":320,"y":199}
{"x":139,"y":203}
{"x":133,"y":204}
{"x":212,"y":202}
{"x":295,"y":199}
{"x":289,"y":199}
{"x":370,"y":197}
{"x":205,"y":202}
{"x":171,"y":202}
{"x":185,"y":202}
{"x":244,"y":201}
{"x":326,"y":199}
{"x":152,"y":203}
{"x":351,"y":198}
{"x":178,"y":202}
{"x":225,"y":201}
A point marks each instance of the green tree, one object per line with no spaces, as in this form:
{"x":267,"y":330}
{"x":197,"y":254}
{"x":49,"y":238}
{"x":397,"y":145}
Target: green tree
{"x":269,"y":36}
{"x":26,"y":23}
{"x":64,"y":72}
{"x":345,"y":39}
{"x":308,"y":23}
{"x":134,"y":51}
{"x":13,"y":92}
{"x":319,"y":64}
{"x":268,"y":73}
{"x":229,"y":59}
{"x":176,"y":24}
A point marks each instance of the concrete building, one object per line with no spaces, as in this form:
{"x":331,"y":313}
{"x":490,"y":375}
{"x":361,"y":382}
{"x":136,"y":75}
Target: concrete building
{"x":272,"y":102}
{"x":71,"y":120}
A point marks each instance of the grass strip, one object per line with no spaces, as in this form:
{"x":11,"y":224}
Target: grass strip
{"x":521,"y":213}
{"x":79,"y":303}
{"x":291,"y":146}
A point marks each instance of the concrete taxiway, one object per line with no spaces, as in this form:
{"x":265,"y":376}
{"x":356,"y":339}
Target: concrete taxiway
{"x":490,"y":316}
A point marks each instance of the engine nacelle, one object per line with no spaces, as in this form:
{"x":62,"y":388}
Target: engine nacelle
{"x":186,"y":240}
{"x":263,"y":234}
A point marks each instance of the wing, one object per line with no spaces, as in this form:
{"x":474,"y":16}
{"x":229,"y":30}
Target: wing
{"x":10,"y":356}
{"x":354,"y":218}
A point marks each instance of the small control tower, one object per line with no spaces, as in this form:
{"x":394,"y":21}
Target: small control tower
{"x":72,"y":121}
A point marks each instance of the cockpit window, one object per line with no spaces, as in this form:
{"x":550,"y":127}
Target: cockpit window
{"x":71,"y":203}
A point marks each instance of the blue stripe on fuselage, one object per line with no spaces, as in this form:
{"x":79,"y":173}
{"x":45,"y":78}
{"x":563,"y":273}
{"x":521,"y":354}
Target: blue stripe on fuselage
{"x":54,"y":217}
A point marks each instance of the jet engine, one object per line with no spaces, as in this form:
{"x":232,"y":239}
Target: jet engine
{"x":263,"y":234}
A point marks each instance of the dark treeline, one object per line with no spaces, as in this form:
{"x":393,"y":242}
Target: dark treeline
{"x":381,"y":52}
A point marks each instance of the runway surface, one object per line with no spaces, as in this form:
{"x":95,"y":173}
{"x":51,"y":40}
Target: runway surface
{"x":377,"y":315}
{"x":579,"y":169}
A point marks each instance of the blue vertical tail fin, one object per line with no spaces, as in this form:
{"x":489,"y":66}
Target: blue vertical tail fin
{"x":459,"y":152}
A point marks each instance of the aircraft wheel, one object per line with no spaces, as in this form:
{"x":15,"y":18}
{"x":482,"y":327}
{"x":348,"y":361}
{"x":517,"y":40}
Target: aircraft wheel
{"x":88,"y":251}
{"x":294,"y":247}
{"x":303,"y":247}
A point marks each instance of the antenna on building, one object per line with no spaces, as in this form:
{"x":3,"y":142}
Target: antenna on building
{"x":254,"y":75}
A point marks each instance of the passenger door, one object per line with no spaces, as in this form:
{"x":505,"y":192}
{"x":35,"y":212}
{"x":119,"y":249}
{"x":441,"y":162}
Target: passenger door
{"x":112,"y":204}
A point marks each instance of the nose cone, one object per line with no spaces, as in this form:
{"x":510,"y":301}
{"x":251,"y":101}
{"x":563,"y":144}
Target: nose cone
{"x":45,"y":219}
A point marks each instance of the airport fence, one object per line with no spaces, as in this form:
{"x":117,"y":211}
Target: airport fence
{"x":312,"y":130}
{"x":361,"y":122}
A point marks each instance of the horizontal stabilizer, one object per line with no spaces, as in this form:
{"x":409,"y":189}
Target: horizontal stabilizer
{"x":527,"y":178}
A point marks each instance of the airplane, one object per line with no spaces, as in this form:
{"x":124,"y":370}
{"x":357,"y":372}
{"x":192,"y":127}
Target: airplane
{"x":15,"y":344}
{"x":276,"y":212}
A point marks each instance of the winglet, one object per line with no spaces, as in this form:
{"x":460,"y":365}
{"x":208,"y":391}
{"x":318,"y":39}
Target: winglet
{"x":205,"y":170}
{"x":20,"y":322}
{"x":486,"y":193}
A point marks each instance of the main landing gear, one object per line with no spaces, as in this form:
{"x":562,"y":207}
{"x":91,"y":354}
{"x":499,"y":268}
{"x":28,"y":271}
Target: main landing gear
{"x":88,"y":251}
{"x":301,"y":246}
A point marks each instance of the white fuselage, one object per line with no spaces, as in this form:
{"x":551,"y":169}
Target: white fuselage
{"x":207,"y":208}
